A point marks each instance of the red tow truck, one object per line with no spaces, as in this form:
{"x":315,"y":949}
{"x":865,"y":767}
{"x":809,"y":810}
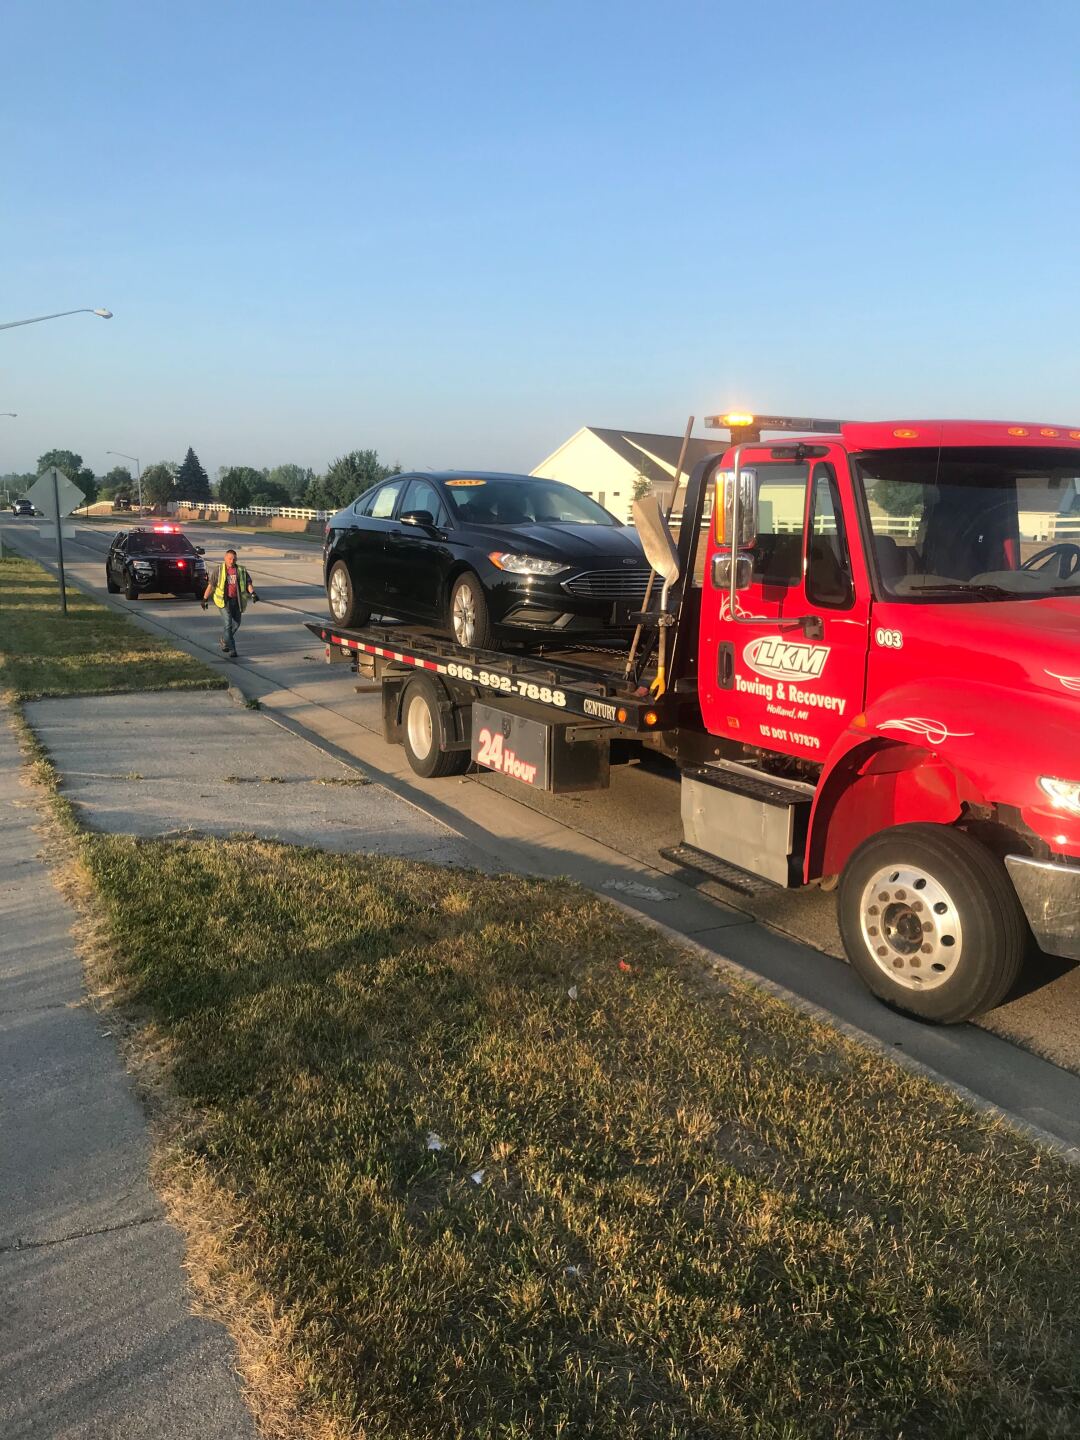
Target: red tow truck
{"x":863,"y":654}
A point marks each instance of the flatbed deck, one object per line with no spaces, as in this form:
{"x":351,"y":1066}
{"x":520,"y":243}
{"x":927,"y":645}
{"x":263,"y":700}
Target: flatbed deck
{"x":594,"y":689}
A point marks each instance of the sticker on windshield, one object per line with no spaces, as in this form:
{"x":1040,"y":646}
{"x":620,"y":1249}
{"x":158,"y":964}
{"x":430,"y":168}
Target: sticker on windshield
{"x":464,"y":484}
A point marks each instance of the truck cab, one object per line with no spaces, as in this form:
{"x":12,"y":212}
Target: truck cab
{"x":888,"y":641}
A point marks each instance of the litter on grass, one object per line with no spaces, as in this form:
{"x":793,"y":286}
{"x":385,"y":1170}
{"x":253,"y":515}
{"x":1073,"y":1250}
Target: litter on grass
{"x":433,"y":1141}
{"x":476,"y":1176}
{"x":572,"y":992}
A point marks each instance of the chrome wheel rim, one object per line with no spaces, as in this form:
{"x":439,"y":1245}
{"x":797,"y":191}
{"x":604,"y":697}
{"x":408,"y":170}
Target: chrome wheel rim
{"x":911,"y":927}
{"x":419,"y":728}
{"x":464,"y":615}
{"x":339,"y":592}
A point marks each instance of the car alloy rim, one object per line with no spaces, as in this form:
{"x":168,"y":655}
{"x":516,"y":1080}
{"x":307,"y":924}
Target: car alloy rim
{"x":419,"y":727}
{"x":911,"y":927}
{"x":339,"y":592}
{"x":464,"y":615}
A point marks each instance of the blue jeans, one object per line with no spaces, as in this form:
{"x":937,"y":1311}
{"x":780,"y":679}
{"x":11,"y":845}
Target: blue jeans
{"x":231,"y":623}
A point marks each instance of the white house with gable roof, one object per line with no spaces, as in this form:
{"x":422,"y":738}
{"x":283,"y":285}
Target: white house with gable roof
{"x":606,"y":464}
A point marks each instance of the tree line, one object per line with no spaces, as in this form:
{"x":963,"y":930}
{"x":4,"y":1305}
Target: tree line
{"x":237,"y":486}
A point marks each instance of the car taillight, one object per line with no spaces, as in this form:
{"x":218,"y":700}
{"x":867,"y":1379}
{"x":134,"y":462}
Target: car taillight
{"x":180,"y":564}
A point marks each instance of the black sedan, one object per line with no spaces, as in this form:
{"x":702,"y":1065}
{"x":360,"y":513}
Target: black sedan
{"x":487,"y":557}
{"x":161,"y":560}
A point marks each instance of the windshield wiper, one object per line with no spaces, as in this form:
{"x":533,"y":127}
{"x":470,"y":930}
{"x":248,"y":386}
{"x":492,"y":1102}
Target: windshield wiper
{"x":983,"y":592}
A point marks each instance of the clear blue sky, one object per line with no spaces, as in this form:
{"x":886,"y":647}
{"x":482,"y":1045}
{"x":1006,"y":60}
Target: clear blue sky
{"x":457,"y":231}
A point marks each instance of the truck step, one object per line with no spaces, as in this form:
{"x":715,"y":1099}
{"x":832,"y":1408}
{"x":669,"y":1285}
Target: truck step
{"x":753,"y":784}
{"x":691,"y":858}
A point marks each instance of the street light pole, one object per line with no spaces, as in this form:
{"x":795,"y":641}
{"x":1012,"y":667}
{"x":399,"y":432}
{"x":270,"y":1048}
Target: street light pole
{"x":9,"y":415}
{"x":138,"y":471}
{"x":36,"y":319}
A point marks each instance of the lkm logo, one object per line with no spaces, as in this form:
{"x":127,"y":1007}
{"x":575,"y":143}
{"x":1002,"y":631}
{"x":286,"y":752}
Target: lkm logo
{"x":785,"y":660}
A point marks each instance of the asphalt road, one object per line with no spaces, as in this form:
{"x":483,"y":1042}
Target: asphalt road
{"x":283,"y":665}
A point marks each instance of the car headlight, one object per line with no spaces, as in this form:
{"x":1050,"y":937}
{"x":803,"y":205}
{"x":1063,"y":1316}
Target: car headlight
{"x":1063,"y":794}
{"x":525,"y":564}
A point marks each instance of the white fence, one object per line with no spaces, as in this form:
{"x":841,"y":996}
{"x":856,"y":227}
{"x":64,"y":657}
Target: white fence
{"x":287,"y":512}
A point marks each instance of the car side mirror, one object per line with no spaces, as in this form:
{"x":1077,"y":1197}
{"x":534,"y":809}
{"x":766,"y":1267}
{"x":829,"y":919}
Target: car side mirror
{"x":423,"y":518}
{"x":725,"y":507}
{"x":200,"y":549}
{"x":721,"y":571}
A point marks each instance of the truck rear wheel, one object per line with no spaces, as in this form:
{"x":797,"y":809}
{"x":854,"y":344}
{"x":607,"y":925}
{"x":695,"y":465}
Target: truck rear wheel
{"x":423,"y":731}
{"x":341,"y":597}
{"x":931,"y":922}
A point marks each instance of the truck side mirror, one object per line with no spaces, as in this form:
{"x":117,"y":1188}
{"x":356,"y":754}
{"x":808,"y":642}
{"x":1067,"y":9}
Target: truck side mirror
{"x":724,"y":506}
{"x":656,"y":538}
{"x":721,"y":571}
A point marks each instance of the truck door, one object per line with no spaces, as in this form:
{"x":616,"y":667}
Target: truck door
{"x":770,"y":677}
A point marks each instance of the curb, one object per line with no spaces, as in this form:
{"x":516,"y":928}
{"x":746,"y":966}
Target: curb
{"x":718,"y":961}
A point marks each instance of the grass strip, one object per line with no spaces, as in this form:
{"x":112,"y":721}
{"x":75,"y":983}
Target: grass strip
{"x":92,"y":651}
{"x":461,"y":1155}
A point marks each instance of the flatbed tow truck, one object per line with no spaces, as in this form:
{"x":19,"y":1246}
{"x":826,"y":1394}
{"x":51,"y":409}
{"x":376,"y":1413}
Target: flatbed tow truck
{"x":866,"y":667}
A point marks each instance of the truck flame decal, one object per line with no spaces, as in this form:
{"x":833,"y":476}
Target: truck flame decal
{"x":1070,"y":682}
{"x":932,"y":730}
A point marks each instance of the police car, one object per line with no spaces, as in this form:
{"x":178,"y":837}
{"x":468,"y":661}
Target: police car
{"x":160,"y":560}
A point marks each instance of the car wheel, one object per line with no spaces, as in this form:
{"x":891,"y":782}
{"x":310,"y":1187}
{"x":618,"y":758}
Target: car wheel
{"x":110,"y":584}
{"x":130,"y":589}
{"x":341,"y":597}
{"x":931,"y":922}
{"x":423,"y":731}
{"x":470,"y":621}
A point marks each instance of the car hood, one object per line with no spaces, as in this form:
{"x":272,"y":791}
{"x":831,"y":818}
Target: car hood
{"x":584,"y":544}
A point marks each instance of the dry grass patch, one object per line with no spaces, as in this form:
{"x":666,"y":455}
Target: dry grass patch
{"x":93,"y":651}
{"x":438,"y":1196}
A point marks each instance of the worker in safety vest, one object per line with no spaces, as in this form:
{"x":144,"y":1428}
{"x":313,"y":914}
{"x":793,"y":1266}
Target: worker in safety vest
{"x":230,"y":589}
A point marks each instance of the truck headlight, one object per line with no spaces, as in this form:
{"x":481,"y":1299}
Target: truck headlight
{"x":525,"y":564}
{"x":1063,"y":794}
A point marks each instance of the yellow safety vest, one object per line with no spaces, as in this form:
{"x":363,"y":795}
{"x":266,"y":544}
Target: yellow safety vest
{"x":241,"y":587}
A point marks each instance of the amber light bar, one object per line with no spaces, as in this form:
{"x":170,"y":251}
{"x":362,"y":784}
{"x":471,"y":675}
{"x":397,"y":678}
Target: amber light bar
{"x":746,"y":427}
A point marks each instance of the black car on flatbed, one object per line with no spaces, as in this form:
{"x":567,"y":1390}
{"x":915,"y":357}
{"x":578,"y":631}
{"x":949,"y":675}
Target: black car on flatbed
{"x":161,"y":561}
{"x":485,"y":557}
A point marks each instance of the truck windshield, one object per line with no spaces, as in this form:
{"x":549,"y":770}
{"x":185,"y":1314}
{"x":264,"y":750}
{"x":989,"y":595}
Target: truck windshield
{"x":982,"y":523}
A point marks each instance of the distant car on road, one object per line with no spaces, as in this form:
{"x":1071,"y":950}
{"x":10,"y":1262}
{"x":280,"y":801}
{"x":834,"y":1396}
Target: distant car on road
{"x":159,"y":561}
{"x":487,"y":557}
{"x":122,"y":502}
{"x":22,"y":507}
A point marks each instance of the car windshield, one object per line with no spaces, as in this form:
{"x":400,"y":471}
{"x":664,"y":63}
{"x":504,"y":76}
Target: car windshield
{"x":983,"y":523}
{"x":525,"y":502}
{"x":159,"y":545}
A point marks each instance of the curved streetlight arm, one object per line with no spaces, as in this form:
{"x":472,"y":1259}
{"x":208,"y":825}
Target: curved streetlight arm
{"x":34,"y":319}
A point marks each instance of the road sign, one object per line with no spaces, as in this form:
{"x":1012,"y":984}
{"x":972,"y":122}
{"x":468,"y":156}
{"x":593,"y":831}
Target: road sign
{"x":56,"y":496}
{"x":44,"y":497}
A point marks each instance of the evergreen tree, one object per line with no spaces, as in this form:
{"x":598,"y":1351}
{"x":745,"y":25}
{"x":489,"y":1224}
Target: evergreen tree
{"x":192,"y":481}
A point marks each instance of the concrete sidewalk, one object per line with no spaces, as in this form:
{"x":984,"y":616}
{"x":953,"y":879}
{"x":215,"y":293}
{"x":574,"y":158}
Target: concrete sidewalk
{"x":97,"y":1338}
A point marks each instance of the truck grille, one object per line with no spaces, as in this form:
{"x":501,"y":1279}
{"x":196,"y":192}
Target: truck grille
{"x":627,"y":584}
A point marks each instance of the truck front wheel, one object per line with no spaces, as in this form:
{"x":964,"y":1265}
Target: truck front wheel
{"x":931,"y":922}
{"x":423,"y":731}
